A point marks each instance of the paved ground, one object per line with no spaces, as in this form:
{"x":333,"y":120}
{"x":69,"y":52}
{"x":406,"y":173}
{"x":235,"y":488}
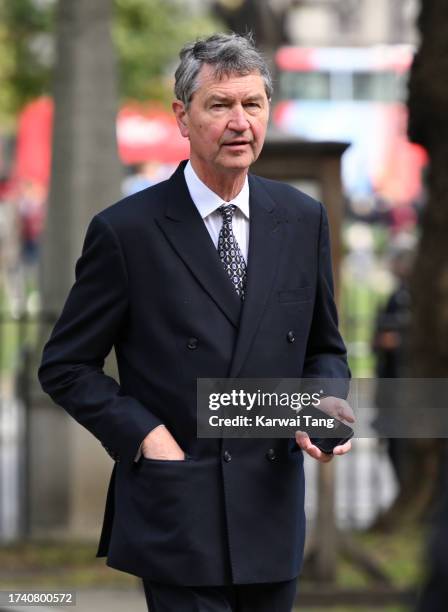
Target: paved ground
{"x":97,"y":600}
{"x":94,"y":600}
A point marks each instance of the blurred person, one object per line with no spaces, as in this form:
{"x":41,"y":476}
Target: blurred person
{"x":5,"y":187}
{"x":21,"y":219}
{"x":31,"y":206}
{"x":391,"y":347}
{"x":212,"y":273}
{"x":31,"y":203}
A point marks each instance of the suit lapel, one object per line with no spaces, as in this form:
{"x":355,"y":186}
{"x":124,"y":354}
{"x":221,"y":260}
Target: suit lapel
{"x":265,"y":242}
{"x":185,"y":230}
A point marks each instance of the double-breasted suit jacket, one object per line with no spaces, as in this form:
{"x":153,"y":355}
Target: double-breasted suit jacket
{"x":150,"y":283}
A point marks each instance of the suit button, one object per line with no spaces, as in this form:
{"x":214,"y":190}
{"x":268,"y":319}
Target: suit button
{"x":290,"y":336}
{"x":270,"y":455}
{"x":192,"y":343}
{"x":227,"y":456}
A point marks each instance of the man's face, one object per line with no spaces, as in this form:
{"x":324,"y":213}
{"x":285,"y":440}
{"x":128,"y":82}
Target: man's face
{"x":226,"y":121}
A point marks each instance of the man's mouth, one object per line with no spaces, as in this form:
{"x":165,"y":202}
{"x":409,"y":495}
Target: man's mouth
{"x":236,"y":143}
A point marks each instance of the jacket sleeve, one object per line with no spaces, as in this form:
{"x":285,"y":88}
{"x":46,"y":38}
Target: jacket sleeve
{"x":326,"y":355}
{"x":71,"y":371}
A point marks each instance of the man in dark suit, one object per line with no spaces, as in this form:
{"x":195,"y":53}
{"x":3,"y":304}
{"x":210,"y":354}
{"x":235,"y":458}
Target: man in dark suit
{"x":213,"y":273}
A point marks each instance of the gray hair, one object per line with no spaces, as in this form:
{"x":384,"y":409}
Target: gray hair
{"x":227,"y":53}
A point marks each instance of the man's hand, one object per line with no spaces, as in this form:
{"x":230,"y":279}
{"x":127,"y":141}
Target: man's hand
{"x":160,"y":444}
{"x":337,"y":408}
{"x":303,"y":440}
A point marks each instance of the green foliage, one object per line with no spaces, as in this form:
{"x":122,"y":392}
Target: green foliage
{"x":25,"y":52}
{"x":148,"y":35}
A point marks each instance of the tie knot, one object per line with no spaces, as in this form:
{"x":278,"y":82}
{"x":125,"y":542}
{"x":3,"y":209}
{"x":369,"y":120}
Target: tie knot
{"x":226,"y":211}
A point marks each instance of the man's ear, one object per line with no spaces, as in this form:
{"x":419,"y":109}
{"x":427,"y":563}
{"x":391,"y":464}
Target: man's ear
{"x":181,"y":117}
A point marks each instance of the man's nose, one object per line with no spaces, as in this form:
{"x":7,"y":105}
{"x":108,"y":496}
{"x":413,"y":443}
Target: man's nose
{"x":238,"y":121}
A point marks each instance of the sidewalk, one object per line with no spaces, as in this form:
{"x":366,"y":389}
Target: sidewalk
{"x":94,"y":600}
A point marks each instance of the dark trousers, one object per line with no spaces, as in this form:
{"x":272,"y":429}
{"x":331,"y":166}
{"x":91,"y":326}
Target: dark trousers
{"x":269,"y":597}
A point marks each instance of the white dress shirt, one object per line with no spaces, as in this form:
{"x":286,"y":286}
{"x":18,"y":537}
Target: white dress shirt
{"x":207,"y":202}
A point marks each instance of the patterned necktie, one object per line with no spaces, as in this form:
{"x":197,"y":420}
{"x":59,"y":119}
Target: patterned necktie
{"x":229,"y":251}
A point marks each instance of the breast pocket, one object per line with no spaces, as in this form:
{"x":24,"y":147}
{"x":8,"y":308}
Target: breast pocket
{"x":295,"y":296}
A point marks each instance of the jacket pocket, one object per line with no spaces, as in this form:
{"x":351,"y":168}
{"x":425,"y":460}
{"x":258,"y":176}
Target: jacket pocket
{"x":168,"y":461}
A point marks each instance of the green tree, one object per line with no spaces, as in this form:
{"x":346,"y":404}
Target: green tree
{"x":25,"y":52}
{"x":147,"y":35}
{"x":428,"y":126}
{"x":85,"y":177}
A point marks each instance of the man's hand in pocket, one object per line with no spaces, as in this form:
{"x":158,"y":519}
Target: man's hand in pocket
{"x":160,"y":444}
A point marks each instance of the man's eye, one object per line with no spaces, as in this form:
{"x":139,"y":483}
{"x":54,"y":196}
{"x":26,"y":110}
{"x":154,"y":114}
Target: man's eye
{"x":252,"y":105}
{"x":218,"y":105}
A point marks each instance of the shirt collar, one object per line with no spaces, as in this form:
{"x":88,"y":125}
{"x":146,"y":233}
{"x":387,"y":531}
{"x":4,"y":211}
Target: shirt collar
{"x":206,"y":200}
